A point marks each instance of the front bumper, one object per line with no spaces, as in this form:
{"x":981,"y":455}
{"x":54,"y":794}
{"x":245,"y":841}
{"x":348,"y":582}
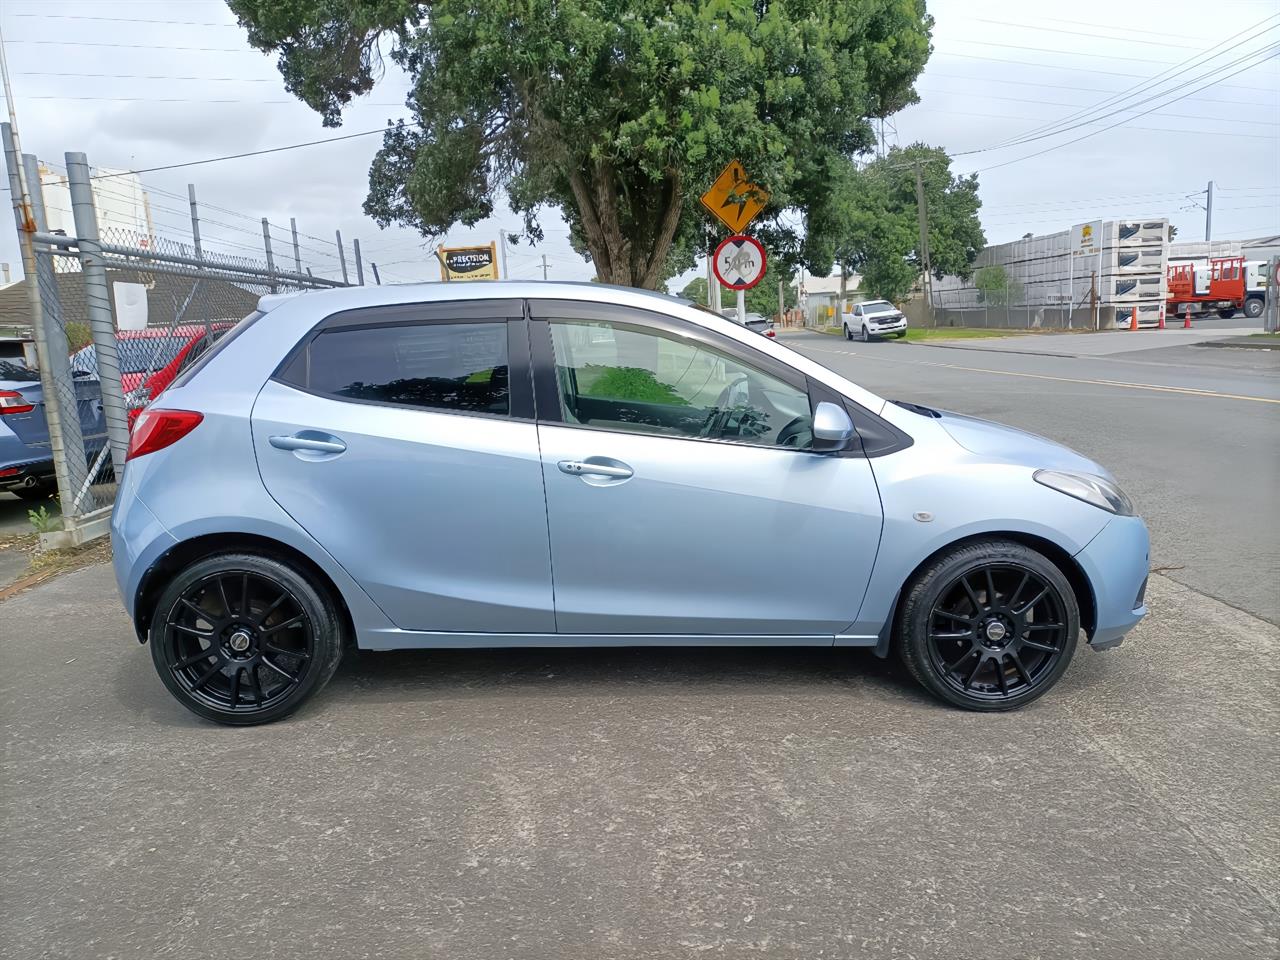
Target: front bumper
{"x":897,"y":325}
{"x":1117,"y":562}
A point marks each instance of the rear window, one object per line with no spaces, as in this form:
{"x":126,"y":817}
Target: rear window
{"x":456,"y":367}
{"x":17,"y":372}
{"x":223,"y":338}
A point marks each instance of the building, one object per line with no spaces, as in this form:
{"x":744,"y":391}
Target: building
{"x":121,"y":202}
{"x":1095,"y":274}
{"x":819,"y":297}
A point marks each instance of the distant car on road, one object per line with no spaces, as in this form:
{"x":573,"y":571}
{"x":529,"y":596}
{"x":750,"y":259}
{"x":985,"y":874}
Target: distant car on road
{"x":875,"y":318}
{"x":554,"y":464}
{"x":757,"y":323}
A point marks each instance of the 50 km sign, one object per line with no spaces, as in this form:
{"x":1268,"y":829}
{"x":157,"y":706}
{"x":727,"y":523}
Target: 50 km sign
{"x":739,"y":262}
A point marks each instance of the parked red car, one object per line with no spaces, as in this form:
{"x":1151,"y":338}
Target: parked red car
{"x":150,"y":359}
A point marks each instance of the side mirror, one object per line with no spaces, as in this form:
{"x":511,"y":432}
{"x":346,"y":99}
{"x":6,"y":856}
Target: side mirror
{"x":832,"y":428}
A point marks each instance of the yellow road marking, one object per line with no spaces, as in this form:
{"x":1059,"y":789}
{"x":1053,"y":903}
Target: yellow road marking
{"x":1190,"y":391}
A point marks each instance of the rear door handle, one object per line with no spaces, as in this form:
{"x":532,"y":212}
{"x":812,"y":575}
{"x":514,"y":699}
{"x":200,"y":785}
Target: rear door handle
{"x":596,"y":467}
{"x":309,"y":441}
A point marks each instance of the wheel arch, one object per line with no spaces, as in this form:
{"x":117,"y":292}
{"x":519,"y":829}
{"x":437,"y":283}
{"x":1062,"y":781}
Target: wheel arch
{"x":1060,"y":558}
{"x":186,"y":551}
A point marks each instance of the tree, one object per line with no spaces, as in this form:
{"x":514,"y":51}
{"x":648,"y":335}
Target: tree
{"x":617,"y":112}
{"x":761,"y":299}
{"x":996,"y":287}
{"x":871,"y":225}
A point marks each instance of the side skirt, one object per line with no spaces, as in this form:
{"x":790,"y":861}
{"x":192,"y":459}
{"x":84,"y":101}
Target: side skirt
{"x":394,"y":639}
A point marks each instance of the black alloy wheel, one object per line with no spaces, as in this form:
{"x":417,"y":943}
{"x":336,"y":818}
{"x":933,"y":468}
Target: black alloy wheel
{"x":989,"y":627}
{"x":243,"y":639}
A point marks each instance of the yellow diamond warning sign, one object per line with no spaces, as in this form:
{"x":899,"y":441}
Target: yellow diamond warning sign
{"x":733,"y":199}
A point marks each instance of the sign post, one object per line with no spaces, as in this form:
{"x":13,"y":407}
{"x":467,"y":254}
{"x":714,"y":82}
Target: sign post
{"x":735,"y":201}
{"x":739,"y":264}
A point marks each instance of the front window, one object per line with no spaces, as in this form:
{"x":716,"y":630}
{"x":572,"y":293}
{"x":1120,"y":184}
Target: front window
{"x":616,"y":376}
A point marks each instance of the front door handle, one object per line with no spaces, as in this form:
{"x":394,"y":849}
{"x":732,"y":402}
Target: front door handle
{"x":309,"y":442}
{"x":596,"y":467}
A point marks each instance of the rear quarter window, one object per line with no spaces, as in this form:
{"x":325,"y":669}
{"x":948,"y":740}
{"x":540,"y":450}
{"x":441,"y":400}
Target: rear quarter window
{"x":220,"y":344}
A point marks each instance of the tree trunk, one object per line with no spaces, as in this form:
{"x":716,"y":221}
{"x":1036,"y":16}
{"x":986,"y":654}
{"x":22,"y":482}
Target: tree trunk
{"x":634,"y":257}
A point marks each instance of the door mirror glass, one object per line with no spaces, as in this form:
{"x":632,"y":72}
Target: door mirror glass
{"x":832,"y":428}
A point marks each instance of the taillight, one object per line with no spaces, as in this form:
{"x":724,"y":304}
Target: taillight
{"x":770,"y":333}
{"x":13,"y":402}
{"x":156,"y":429}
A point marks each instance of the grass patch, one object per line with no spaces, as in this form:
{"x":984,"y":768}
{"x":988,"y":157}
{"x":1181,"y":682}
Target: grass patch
{"x":958,"y":333}
{"x":1264,"y":336}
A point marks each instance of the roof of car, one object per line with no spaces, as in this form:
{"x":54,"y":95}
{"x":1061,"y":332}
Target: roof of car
{"x":391,"y":293}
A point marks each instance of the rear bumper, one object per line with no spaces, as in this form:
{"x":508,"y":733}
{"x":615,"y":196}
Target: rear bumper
{"x":20,"y":465}
{"x":1117,"y":562}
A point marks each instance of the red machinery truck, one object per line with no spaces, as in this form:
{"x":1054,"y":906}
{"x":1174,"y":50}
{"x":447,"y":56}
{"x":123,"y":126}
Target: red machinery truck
{"x":1222,"y":286}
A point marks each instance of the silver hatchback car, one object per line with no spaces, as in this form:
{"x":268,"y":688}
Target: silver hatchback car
{"x":545,"y":464}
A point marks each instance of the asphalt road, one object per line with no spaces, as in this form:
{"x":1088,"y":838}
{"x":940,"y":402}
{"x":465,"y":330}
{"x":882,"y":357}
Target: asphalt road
{"x":688,"y":803}
{"x":1192,"y":433}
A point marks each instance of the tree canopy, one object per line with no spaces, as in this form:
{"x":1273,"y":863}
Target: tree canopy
{"x":871,"y":225}
{"x":618,"y":113}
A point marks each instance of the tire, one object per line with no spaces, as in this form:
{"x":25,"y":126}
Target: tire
{"x":847,"y":334}
{"x":866,"y":336}
{"x":218,"y":603}
{"x":1253,"y":308}
{"x":953,"y":597}
{"x":41,"y":491}
{"x":902,"y":335}
{"x":1227,"y":313}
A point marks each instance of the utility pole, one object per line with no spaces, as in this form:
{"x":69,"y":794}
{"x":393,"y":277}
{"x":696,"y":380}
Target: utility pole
{"x":782,"y":308}
{"x":544,"y":266}
{"x":376,"y":279}
{"x":502,"y":250}
{"x":1093,"y":299}
{"x":342,"y":257}
{"x":1208,"y":213}
{"x":195,"y":221}
{"x":271,"y":260}
{"x":922,"y":212}
{"x":355,"y":250}
{"x":297,"y":254}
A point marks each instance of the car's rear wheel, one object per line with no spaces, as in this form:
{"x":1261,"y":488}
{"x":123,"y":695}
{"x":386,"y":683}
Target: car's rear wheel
{"x":992,"y":625}
{"x":1253,"y":308}
{"x":242,"y":639}
{"x":847,"y":334}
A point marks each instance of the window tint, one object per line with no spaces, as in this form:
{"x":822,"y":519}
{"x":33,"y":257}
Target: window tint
{"x":461,"y":366}
{"x":621,"y":377}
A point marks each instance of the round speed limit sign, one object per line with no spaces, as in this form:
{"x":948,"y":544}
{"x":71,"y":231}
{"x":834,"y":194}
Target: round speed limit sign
{"x":739,"y":262}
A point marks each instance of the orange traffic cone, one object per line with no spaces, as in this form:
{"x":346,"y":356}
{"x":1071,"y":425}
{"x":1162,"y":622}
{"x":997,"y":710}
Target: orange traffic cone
{"x":1186,"y":318}
{"x":1133,"y":319}
{"x":1160,"y":326}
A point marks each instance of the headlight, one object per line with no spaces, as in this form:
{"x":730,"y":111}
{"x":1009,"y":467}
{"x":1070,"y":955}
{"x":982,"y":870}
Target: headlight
{"x":1085,"y":486}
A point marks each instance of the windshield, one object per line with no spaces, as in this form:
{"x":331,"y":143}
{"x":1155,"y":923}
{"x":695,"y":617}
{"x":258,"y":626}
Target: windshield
{"x":877,"y":306}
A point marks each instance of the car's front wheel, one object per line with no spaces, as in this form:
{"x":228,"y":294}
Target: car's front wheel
{"x":866,"y":334}
{"x":991,"y":625}
{"x":242,"y":639}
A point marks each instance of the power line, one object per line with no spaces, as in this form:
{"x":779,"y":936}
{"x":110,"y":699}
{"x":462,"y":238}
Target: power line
{"x":1058,"y":51}
{"x":1095,"y":132}
{"x":73,"y":16}
{"x":1051,"y":103}
{"x":1098,"y":36}
{"x":143,"y":76}
{"x":1092,"y":72}
{"x":1064,"y":127}
{"x":295,"y":102}
{"x":1198,"y":60}
{"x":1063,"y":86}
{"x":251,"y":153}
{"x":132,"y":46}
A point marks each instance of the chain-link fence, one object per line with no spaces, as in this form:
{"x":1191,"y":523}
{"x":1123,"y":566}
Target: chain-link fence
{"x":116,"y":315}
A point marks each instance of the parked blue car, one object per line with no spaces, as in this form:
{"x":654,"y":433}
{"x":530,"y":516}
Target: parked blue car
{"x":544,"y":464}
{"x":26,"y":458}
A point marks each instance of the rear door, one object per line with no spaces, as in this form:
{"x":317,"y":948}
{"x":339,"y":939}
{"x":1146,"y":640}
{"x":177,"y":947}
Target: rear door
{"x":402,"y":439}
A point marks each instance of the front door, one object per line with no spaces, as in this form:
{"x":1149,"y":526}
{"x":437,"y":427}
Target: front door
{"x":402,"y":440}
{"x":681,"y":498}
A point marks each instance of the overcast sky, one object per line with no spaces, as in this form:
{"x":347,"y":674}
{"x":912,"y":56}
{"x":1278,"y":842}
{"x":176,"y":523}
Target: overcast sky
{"x":107,"y":79}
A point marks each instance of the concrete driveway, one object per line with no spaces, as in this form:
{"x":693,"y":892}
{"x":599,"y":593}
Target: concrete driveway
{"x":645,"y":803}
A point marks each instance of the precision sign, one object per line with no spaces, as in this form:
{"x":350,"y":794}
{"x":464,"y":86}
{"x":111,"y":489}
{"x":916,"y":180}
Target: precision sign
{"x":468,"y":263}
{"x":739,"y":262}
{"x":733,"y":199}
